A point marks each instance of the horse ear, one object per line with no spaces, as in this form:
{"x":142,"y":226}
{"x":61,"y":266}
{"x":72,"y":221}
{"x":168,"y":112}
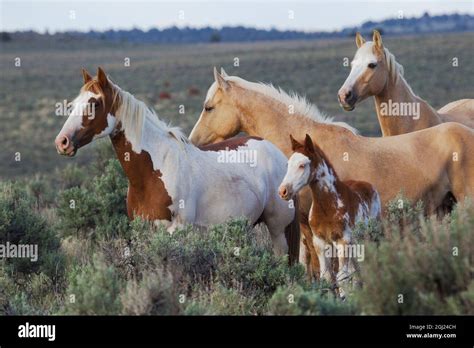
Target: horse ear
{"x":308,"y":144}
{"x":223,"y":73}
{"x":359,"y":40}
{"x":223,"y":84}
{"x":294,"y":143}
{"x":377,"y":39}
{"x":102,"y":77}
{"x":86,"y":76}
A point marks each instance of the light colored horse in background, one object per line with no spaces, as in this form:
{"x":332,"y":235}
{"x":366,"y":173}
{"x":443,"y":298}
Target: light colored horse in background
{"x":172,"y":181}
{"x":375,"y":72}
{"x":427,"y":165}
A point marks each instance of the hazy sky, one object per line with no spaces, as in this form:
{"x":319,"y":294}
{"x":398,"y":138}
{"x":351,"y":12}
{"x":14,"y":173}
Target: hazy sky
{"x":118,"y":14}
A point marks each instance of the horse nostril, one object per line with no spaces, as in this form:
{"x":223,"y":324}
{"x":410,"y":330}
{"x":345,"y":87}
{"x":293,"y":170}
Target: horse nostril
{"x":348,"y":95}
{"x":65,"y":142}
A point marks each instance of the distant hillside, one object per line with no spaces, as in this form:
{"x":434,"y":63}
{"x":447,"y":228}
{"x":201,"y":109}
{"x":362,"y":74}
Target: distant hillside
{"x":423,"y":24}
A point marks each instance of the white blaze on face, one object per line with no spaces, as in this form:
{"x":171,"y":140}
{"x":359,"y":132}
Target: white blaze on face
{"x":297,"y":173}
{"x":363,"y":57}
{"x":79,"y":106}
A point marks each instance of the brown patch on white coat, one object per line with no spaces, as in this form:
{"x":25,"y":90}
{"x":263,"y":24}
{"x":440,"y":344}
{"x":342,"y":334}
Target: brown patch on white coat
{"x":148,"y":196}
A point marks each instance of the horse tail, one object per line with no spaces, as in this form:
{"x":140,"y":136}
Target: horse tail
{"x":292,"y":234}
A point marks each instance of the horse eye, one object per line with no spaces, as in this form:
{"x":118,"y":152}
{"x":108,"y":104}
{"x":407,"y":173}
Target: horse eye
{"x":302,"y":166}
{"x":208,"y":108}
{"x":94,"y":102}
{"x":372,"y":65}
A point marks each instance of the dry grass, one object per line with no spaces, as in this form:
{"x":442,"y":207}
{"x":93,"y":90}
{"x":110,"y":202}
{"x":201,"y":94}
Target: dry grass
{"x":50,"y":73}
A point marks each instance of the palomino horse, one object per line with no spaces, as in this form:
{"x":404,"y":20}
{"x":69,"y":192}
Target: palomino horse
{"x":170,"y":180}
{"x":425,"y":165}
{"x":375,"y":73}
{"x":337,"y":206}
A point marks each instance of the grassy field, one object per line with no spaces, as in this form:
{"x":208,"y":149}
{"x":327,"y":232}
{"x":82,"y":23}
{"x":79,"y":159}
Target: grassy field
{"x":93,"y":260}
{"x":50,"y":73}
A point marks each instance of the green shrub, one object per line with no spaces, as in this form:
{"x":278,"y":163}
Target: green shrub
{"x":96,"y":210}
{"x":372,"y":231}
{"x":70,"y":176}
{"x":103,"y":153}
{"x":7,"y":290}
{"x":21,"y":224}
{"x":154,"y":294}
{"x":40,"y":189}
{"x":428,"y":271}
{"x":227,"y":255}
{"x":93,"y":289}
{"x":37,"y":296}
{"x":219,"y":300}
{"x":402,"y":215}
{"x":295,"y":300}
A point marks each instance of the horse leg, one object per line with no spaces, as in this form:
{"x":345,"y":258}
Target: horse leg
{"x":277,"y":234}
{"x":344,"y":273}
{"x":304,"y":255}
{"x":325,"y":264}
{"x":174,"y":226}
{"x":276,"y":225}
{"x":343,"y":259}
{"x":308,"y":252}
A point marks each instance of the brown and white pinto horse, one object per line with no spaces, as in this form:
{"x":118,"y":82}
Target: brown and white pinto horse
{"x":375,"y":72}
{"x":170,"y":180}
{"x":337,"y":206}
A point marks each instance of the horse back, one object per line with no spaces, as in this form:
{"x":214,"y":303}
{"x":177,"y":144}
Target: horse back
{"x":229,"y":144}
{"x":367,"y":194}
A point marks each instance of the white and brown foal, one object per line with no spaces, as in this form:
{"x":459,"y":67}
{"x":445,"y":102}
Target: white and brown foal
{"x":336,"y":206}
{"x":172,"y":181}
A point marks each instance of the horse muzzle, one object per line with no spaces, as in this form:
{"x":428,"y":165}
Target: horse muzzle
{"x":347,"y":100}
{"x":285,"y":192}
{"x":65,"y":146}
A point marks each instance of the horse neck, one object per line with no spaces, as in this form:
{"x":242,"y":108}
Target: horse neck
{"x":270,"y":119}
{"x":399,"y":91}
{"x":326,"y":199}
{"x":157,"y":153}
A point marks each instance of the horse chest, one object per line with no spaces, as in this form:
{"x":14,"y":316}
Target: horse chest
{"x":329,"y":227}
{"x":150,"y":202}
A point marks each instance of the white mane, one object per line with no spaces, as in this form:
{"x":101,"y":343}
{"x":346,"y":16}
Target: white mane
{"x":300,"y":104}
{"x":132,"y":114}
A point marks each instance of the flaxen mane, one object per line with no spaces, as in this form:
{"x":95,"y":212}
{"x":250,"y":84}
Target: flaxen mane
{"x":300,"y":104}
{"x":394,"y":68}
